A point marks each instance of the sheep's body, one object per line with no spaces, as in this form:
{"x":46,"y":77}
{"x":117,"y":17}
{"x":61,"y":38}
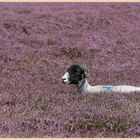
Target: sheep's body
{"x":78,"y":76}
{"x":85,"y":87}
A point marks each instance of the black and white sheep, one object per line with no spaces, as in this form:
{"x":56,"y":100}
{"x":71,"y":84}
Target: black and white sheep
{"x":78,"y":75}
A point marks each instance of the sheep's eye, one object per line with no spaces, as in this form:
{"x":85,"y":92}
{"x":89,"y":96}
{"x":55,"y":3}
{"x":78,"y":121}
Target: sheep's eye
{"x":77,"y":72}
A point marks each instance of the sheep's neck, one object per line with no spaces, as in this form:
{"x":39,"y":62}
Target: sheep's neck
{"x":84,"y":86}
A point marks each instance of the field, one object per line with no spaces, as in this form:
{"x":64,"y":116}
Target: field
{"x":39,"y":41}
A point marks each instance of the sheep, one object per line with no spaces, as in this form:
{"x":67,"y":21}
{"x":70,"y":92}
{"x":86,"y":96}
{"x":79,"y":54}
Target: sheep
{"x":78,"y":75}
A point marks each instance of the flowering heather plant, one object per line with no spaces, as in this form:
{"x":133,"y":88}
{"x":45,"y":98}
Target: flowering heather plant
{"x":39,"y":41}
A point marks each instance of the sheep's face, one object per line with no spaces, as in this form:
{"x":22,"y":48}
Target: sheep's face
{"x":74,"y":74}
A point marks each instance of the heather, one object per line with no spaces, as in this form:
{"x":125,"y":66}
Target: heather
{"x":39,"y":41}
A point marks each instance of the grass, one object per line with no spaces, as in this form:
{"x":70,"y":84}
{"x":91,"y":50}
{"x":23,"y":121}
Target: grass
{"x":37,"y":48}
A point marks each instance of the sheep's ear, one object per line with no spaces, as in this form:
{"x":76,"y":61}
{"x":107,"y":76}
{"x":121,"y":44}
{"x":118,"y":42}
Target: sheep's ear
{"x":86,"y":72}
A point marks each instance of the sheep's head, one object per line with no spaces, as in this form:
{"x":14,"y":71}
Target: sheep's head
{"x":74,"y":74}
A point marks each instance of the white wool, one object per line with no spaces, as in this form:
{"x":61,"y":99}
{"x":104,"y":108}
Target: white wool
{"x":87,"y":88}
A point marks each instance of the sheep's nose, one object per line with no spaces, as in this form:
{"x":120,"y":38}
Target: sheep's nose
{"x":63,"y":80}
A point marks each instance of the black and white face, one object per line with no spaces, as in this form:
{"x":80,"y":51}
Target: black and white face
{"x":73,"y":75}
